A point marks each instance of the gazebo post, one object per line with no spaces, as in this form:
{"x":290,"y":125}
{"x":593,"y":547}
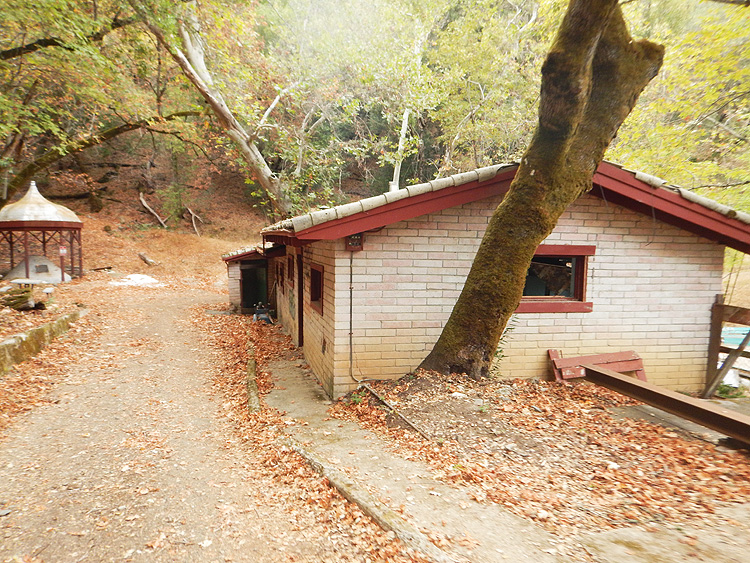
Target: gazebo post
{"x":77,"y":237}
{"x":12,"y":256}
{"x":26,"y":252}
{"x":72,"y":250}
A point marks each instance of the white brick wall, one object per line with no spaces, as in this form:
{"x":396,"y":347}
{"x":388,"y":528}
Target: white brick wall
{"x":319,"y":327}
{"x":651,"y":285}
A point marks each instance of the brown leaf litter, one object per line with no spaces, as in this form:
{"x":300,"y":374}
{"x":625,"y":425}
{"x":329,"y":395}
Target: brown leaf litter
{"x":553,"y":452}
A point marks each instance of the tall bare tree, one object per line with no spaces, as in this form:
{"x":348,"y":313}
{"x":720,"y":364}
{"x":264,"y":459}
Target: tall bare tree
{"x":190,"y":57}
{"x":591,"y":79}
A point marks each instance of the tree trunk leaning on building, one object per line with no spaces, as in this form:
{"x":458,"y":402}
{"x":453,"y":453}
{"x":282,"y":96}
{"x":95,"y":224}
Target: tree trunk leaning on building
{"x":591,"y":79}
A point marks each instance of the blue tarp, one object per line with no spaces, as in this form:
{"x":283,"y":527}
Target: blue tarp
{"x":733,"y":335}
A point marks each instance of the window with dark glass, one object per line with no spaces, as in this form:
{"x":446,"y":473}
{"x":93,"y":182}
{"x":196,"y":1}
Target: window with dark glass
{"x":556,"y":280}
{"x":552,"y":276}
{"x":316,"y":287}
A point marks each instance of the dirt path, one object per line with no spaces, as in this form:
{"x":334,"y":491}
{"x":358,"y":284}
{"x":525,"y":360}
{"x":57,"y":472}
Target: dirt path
{"x":134,"y":462}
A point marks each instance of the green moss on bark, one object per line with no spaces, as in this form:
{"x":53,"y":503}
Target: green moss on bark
{"x":590,"y":83}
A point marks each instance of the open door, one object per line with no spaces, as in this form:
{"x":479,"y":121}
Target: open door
{"x":253,"y":285}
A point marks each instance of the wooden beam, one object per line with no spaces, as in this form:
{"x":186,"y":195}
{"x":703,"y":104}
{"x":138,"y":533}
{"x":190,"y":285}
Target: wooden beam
{"x":705,"y":413}
{"x":725,"y":367}
{"x":714,"y":339}
{"x":728,"y":350}
{"x":736,"y":315}
{"x":721,"y":313}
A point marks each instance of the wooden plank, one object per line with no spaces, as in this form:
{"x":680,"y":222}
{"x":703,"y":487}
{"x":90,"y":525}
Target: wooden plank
{"x":736,"y":315}
{"x":570,"y":368}
{"x":729,"y":349}
{"x":726,"y":366}
{"x":555,"y":355}
{"x":630,"y":355}
{"x":712,"y":416}
{"x":714,"y":339}
{"x":572,"y":372}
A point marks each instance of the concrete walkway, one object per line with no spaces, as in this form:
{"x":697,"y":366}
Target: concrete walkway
{"x":406,"y":497}
{"x":488,"y":532}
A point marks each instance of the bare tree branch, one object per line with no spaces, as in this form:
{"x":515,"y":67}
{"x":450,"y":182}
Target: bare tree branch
{"x":722,"y":186}
{"x":55,"y":154}
{"x":193,"y":66}
{"x":267,"y":113}
{"x":46,"y":42}
{"x":743,"y":3}
{"x":193,"y":217}
{"x":150,"y":210}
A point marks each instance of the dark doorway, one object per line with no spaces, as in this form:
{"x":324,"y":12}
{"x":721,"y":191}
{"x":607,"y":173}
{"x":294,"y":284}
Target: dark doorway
{"x":253,"y":284}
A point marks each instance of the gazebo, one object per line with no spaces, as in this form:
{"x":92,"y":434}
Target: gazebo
{"x":34,"y":224}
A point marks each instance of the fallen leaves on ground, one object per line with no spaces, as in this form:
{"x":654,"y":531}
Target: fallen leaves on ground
{"x":553,"y":452}
{"x":14,"y":322}
{"x":300,"y":488}
{"x":28,"y":384}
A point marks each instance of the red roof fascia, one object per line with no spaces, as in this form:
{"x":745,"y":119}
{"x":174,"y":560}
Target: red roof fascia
{"x":611,"y":183}
{"x":620,"y":187}
{"x":256,"y":254}
{"x":408,"y":208}
{"x":284,"y":238}
{"x":40,"y":226}
{"x":249,"y":255}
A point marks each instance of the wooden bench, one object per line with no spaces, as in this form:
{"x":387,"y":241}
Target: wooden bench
{"x":621,"y":362}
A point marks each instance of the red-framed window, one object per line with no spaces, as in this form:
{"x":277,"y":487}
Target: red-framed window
{"x":316,"y":287}
{"x":556,"y":280}
{"x":290,"y":270}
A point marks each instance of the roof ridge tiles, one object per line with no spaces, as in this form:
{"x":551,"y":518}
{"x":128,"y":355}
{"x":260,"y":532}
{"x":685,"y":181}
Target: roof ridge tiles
{"x":314,"y":218}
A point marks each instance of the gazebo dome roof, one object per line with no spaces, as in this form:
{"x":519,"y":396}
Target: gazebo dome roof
{"x":33,"y":207}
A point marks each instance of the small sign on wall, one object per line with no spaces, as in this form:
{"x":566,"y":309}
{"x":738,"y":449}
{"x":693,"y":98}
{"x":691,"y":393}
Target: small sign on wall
{"x":355,"y":242}
{"x":63,"y":251}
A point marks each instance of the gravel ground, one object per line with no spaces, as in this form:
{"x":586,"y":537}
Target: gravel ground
{"x":131,"y":458}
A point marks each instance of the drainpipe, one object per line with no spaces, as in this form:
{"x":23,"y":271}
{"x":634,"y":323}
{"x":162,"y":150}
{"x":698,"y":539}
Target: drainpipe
{"x":351,"y":316}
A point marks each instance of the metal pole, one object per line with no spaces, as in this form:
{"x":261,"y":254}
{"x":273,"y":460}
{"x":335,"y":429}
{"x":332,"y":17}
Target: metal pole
{"x":351,"y":316}
{"x":72,"y":255}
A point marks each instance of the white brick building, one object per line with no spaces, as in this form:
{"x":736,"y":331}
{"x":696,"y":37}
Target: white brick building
{"x":366,"y":287}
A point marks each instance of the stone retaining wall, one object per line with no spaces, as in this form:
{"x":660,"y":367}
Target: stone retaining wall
{"x":21,"y":347}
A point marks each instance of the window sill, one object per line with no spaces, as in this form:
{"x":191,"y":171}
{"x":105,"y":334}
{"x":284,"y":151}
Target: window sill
{"x":317,"y":306}
{"x":554,"y":306}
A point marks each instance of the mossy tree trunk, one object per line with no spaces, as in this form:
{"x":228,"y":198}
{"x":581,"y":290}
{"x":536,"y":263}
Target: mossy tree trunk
{"x":591,"y":79}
